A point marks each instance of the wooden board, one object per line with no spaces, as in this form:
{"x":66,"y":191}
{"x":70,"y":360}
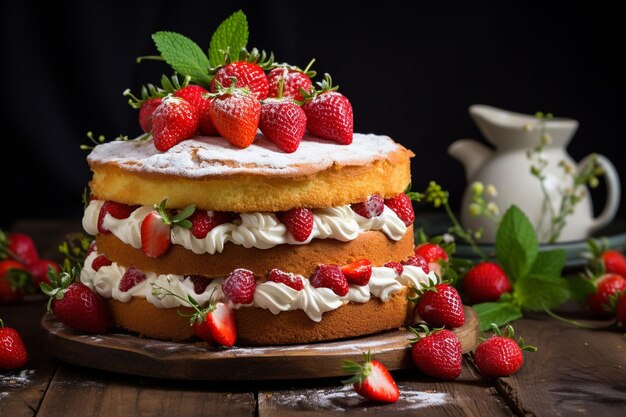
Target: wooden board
{"x":125,"y":353}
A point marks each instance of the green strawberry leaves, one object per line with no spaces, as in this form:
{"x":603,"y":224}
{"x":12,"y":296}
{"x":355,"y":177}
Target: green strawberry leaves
{"x":231,"y":36}
{"x":184,"y":56}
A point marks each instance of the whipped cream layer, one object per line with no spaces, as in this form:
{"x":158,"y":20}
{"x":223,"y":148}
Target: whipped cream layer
{"x":273,"y":296}
{"x":258,"y":230}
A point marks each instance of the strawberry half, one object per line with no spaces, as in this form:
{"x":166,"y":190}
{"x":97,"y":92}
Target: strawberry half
{"x":239,"y":286}
{"x":156,"y":228}
{"x":196,"y":96}
{"x":330,"y":276}
{"x":291,"y":280}
{"x":116,"y":210}
{"x":100,"y":261}
{"x":299,"y":223}
{"x":396,"y":266}
{"x":235,"y":113}
{"x":174,"y":121}
{"x":371,"y":380}
{"x":200,"y":283}
{"x":245,"y":74}
{"x":402,"y":206}
{"x":329,"y":114}
{"x":373,"y":207}
{"x":486,"y":281}
{"x":358,"y":272}
{"x":437,"y":353}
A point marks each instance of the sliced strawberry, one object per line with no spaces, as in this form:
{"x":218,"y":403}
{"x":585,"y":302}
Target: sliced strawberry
{"x":396,"y":266}
{"x":239,"y":286}
{"x":218,"y":324}
{"x":291,"y":280}
{"x":132,"y":277}
{"x":358,"y":272}
{"x":402,"y":206}
{"x":202,"y":223}
{"x":418,"y":261}
{"x":299,"y":223}
{"x":330,"y":276}
{"x":372,"y":380}
{"x":373,"y":207}
{"x":116,"y":210}
{"x":155,"y":235}
{"x":100,"y":261}
{"x":195,"y":95}
{"x":145,"y":113}
{"x":92,"y":247}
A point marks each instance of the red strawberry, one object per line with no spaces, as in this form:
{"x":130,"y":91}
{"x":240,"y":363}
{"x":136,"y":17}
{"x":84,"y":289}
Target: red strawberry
{"x":132,"y":277}
{"x":235,"y":114}
{"x":290,"y":280}
{"x":440,"y":305}
{"x":216,"y":323}
{"x":100,"y":261}
{"x":202,"y":223}
{"x":402,"y":206}
{"x":358,"y":272}
{"x":116,"y":210}
{"x":500,"y":355}
{"x":485,"y":282}
{"x":283,"y":123}
{"x":299,"y":223}
{"x":620,"y":310}
{"x":14,"y":280}
{"x":76,"y":305}
{"x":239,"y":286}
{"x":13,"y":353}
{"x":247,"y":74}
{"x":396,"y":266}
{"x":195,"y":95}
{"x":155,"y":235}
{"x":431,"y":252}
{"x":371,"y":380}
{"x":145,"y":113}
{"x":22,"y":248}
{"x":373,"y":207}
{"x":173,"y":121}
{"x":418,"y":261}
{"x":39,"y":270}
{"x":608,"y":284}
{"x":92,"y":247}
{"x":293,"y":80}
{"x":437,"y":353}
{"x":330,"y":276}
{"x":199,"y":283}
{"x":329,"y":114}
{"x":614,"y":262}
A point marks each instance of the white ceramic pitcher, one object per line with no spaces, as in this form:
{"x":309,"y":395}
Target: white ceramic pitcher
{"x":508,"y":168}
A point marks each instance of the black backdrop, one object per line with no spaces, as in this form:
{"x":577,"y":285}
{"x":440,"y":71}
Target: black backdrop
{"x":409,"y":74}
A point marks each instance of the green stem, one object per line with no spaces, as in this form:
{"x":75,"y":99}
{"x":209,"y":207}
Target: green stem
{"x":149,"y":58}
{"x":575,"y":323}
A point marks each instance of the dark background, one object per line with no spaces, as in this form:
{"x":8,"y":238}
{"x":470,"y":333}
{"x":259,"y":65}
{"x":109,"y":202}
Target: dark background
{"x":409,"y":74}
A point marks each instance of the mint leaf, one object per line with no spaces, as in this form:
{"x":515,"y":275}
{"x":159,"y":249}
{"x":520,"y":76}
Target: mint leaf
{"x":516,"y":244}
{"x":231,"y":35}
{"x":183,"y":55}
{"x":549,"y":263}
{"x":499,"y":313}
{"x":579,"y":287}
{"x":538,"y":292}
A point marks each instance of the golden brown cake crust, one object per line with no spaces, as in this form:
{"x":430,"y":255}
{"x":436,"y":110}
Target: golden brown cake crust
{"x":256,"y":326}
{"x":299,"y":259}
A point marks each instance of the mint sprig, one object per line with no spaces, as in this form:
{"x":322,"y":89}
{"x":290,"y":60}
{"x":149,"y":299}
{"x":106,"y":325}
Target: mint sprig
{"x":230,"y":37}
{"x":184,"y":56}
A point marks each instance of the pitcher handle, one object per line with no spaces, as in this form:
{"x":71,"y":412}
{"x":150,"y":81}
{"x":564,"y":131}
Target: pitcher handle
{"x":613,"y":191}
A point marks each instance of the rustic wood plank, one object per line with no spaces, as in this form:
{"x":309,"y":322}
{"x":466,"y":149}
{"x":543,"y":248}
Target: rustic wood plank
{"x":84,"y":392}
{"x":469,"y":395}
{"x":575,"y":372}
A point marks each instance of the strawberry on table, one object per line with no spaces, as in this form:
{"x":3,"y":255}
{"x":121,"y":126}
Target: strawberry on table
{"x":235,"y":113}
{"x":440,"y":305}
{"x":13,"y":353}
{"x":173,"y":121}
{"x":372,"y":380}
{"x":15,"y":281}
{"x":437,"y":353}
{"x":295,"y":80}
{"x":607,"y":286}
{"x":402,"y":206}
{"x":330,"y":276}
{"x":156,"y":228}
{"x":299,"y":223}
{"x":19,"y":247}
{"x":501,"y":355}
{"x":358,"y":272}
{"x":486,"y":281}
{"x":614,"y":262}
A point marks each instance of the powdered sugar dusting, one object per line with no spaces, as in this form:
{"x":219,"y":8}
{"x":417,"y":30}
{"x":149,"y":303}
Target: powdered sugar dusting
{"x":214,"y":156}
{"x":14,"y":379}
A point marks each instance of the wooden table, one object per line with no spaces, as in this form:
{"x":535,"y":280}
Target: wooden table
{"x":576,"y":372}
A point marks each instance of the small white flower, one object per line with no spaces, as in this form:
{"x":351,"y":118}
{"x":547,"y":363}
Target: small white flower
{"x":493,"y":208}
{"x":447,"y":238}
{"x":529,"y":127}
{"x":491,"y":190}
{"x":546,"y":139}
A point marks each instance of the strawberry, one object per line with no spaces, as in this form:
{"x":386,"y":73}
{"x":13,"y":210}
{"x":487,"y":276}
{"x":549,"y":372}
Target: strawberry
{"x":299,"y":223}
{"x":100,"y":261}
{"x":92,"y":247}
{"x":372,"y":207}
{"x":500,"y":355}
{"x":39,"y":270}
{"x":291,"y":280}
{"x":614,"y":262}
{"x":607,"y":285}
{"x":417,"y":261}
{"x":75,"y":304}
{"x":155,"y":228}
{"x":13,"y":353}
{"x":371,"y":380}
{"x":620,"y":310}
{"x":283,"y":123}
{"x":486,"y":281}
{"x":173,"y":121}
{"x":431,"y":252}
{"x":294,"y":79}
{"x":14,"y":280}
{"x":329,"y":114}
{"x":132,"y":277}
{"x":402,"y":206}
{"x":195,"y":95}
{"x":396,"y":266}
{"x":235,"y":114}
{"x":330,"y":276}
{"x":116,"y":210}
{"x":440,"y":305}
{"x":437,"y":353}
{"x":358,"y":272}
{"x":239,"y":286}
{"x":202,"y":221}
{"x":246,"y":74}
{"x":145,"y":112}
{"x":199,"y":283}
{"x":21,"y":248}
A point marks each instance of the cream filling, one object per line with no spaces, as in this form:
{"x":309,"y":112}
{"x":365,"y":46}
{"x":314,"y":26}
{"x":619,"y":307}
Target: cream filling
{"x":258,"y":230}
{"x":273,"y":296}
